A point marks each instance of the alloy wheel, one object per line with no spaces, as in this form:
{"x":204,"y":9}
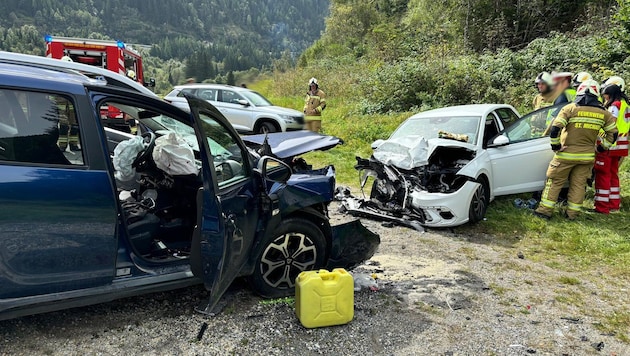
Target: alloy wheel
{"x":287,"y":256}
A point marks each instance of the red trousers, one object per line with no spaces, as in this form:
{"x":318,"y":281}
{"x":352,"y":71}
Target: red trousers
{"x":607,"y":190}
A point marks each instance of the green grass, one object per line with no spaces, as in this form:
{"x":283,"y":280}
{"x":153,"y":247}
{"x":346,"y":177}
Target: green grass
{"x":572,"y":281}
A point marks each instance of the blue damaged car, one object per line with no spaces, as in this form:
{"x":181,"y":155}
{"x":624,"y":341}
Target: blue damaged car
{"x":89,"y":213}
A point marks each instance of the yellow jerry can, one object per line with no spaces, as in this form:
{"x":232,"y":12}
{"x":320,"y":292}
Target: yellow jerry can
{"x":324,"y":298}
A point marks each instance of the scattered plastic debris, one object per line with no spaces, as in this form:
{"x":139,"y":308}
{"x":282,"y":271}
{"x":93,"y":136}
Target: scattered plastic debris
{"x":599,"y":346}
{"x":522,"y":204}
{"x":364,"y":281}
{"x":202,"y":331}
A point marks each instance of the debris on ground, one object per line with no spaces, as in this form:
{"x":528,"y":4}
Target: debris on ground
{"x":599,"y":346}
{"x":370,"y":209}
{"x":364,"y":281}
{"x":202,"y":331}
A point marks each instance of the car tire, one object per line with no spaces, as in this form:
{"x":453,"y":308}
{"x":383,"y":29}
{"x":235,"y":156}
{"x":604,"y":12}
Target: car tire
{"x":479,"y":202}
{"x":267,"y":127}
{"x":297,"y":245}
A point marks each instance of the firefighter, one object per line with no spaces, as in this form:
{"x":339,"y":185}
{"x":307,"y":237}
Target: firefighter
{"x":581,"y":122}
{"x":315,"y":103}
{"x":607,"y":188}
{"x":545,"y":96}
{"x":562,"y":83}
{"x":131,"y":74}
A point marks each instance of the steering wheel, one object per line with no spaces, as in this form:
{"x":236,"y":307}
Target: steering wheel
{"x":145,"y":154}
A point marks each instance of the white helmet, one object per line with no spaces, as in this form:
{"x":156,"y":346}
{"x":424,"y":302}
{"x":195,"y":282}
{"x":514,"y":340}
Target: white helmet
{"x":313,"y":81}
{"x":588,"y":87}
{"x":543,"y":77}
{"x":131,"y":74}
{"x":615,"y":80}
{"x":66,"y":59}
{"x":580,"y":78}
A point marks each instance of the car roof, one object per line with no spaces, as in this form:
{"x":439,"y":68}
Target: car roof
{"x":43,"y":78}
{"x":44,"y":62}
{"x":463,"y":110}
{"x":210,"y":86}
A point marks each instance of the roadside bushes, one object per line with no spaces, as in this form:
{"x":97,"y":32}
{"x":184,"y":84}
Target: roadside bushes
{"x":506,"y":76}
{"x":412,"y":84}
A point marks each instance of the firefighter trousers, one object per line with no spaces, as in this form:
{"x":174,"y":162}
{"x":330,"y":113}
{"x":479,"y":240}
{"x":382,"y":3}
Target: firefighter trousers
{"x":607,"y":189}
{"x":314,"y":123}
{"x":558,"y":173}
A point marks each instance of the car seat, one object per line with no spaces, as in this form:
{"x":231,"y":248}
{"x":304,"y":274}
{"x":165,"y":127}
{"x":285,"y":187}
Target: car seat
{"x":36,"y":142}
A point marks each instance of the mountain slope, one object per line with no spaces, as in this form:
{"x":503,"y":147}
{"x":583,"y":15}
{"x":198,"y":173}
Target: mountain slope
{"x":249,"y":32}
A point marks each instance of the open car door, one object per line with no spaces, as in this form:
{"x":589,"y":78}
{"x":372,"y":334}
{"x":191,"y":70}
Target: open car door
{"x":228,"y":218}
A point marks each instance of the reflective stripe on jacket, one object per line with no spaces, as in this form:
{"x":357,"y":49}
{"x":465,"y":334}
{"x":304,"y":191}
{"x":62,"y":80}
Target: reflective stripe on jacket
{"x":581,"y":125}
{"x":620,"y":148}
{"x":314,"y":103}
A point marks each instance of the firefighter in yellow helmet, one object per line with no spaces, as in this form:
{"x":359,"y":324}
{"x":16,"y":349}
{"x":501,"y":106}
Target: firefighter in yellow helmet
{"x":579,"y":123}
{"x":545,"y":96}
{"x":315,"y":103}
{"x":131,"y":74}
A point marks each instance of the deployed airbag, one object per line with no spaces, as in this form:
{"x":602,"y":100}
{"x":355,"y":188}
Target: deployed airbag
{"x":406,"y":152}
{"x":124,"y":155}
{"x":173,"y":155}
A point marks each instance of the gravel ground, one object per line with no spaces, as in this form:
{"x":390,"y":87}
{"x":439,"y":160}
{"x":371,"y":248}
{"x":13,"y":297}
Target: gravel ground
{"x":440,"y":293}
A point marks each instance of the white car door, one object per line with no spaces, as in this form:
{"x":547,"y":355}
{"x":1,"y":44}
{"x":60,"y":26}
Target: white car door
{"x":239,"y":115}
{"x":521,"y":164}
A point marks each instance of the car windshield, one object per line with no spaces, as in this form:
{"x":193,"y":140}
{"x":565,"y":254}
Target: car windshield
{"x":187,"y":132}
{"x":256,"y":99}
{"x":429,"y":127}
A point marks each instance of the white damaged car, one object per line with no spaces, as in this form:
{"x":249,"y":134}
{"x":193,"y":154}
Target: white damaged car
{"x":441,"y":168}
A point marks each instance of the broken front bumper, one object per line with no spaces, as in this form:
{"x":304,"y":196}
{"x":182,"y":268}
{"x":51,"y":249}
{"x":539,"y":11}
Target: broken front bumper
{"x":445,"y":209}
{"x":352,"y":243}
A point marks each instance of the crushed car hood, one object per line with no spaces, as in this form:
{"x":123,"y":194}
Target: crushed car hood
{"x":412,"y":151}
{"x":294,"y":143}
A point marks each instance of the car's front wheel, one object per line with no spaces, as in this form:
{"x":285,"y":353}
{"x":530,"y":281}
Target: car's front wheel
{"x":298,"y":245}
{"x":267,"y":127}
{"x":479,"y":202}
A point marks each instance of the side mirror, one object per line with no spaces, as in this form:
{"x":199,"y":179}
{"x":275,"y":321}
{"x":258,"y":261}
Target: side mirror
{"x":151,"y":83}
{"x":377,"y":143}
{"x":243,"y":102}
{"x":500,"y":140}
{"x":273,"y":170}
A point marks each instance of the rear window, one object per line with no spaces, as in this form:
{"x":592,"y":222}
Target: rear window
{"x":39,"y":128}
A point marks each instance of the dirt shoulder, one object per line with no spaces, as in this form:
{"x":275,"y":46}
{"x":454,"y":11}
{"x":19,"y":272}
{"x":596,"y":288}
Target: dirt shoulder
{"x":440,"y":294}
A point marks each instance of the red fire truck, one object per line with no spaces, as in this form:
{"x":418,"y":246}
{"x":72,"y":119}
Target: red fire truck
{"x":112,"y":55}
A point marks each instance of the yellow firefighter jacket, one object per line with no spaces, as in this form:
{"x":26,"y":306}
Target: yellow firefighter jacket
{"x":581,"y":125}
{"x":314,"y":104}
{"x":543,"y":100}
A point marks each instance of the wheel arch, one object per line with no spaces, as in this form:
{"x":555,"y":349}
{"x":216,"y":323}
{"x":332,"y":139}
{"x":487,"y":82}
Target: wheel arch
{"x":311,"y":213}
{"x":274,"y":122}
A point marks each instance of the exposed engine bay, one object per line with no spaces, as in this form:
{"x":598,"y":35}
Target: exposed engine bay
{"x":400,"y":185}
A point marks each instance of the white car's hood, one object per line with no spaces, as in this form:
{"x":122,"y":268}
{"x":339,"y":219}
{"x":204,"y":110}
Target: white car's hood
{"x":280,"y":110}
{"x":413,"y":151}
